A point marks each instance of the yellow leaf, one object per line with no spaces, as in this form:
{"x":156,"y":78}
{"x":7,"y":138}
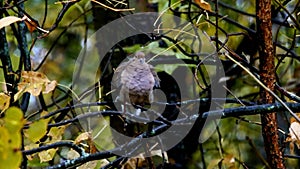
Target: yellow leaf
{"x":31,"y":76}
{"x":29,"y":147}
{"x":13,"y":159}
{"x":4,"y":102}
{"x":4,"y":140}
{"x":203,"y":4}
{"x":14,"y":120}
{"x":56,"y":133}
{"x":19,"y":93}
{"x":8,"y":20}
{"x":34,"y":83}
{"x":35,"y":88}
{"x":10,"y":138}
{"x":47,"y":155}
{"x":37,"y":130}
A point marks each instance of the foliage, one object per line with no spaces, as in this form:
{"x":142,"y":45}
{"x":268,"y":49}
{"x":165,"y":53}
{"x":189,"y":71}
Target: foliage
{"x":11,"y":138}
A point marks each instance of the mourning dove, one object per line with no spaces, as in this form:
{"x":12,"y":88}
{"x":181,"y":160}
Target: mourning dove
{"x":136,"y":78}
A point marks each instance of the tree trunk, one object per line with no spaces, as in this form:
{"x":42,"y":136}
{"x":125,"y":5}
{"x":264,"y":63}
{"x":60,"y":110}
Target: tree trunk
{"x":267,"y":75}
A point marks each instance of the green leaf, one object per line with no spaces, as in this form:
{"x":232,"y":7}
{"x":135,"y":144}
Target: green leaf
{"x":11,"y":159}
{"x":14,"y":122}
{"x":10,"y":139}
{"x":37,"y":130}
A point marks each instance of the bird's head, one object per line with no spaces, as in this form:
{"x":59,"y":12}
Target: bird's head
{"x":140,"y":56}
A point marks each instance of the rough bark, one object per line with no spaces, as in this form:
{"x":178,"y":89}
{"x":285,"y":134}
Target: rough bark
{"x":267,"y":74}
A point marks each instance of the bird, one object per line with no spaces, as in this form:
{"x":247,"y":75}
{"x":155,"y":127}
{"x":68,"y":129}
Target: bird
{"x":136,"y":80}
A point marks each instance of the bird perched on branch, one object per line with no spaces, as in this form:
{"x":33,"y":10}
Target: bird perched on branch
{"x":137,"y":79}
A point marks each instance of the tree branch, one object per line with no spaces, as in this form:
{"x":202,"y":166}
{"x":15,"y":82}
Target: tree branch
{"x":268,"y":77}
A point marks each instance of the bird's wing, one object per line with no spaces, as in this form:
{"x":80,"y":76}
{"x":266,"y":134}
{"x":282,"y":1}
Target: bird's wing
{"x":116,"y":80}
{"x":156,"y":78}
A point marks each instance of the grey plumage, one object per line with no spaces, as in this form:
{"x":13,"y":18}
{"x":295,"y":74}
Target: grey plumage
{"x":136,"y":78}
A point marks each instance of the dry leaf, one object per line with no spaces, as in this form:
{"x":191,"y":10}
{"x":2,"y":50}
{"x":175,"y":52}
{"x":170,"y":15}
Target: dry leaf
{"x":72,"y":154}
{"x":50,"y":87}
{"x":34,"y":83}
{"x":140,"y":160}
{"x":295,"y":133}
{"x":29,"y":147}
{"x":31,"y":24}
{"x":133,"y":163}
{"x":56,"y":133}
{"x":89,"y":165}
{"x":6,"y":21}
{"x":4,"y":102}
{"x":204,"y":5}
{"x":229,"y":161}
{"x":104,"y":162}
{"x":47,"y":155}
{"x":83,"y":137}
{"x":89,"y":140}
